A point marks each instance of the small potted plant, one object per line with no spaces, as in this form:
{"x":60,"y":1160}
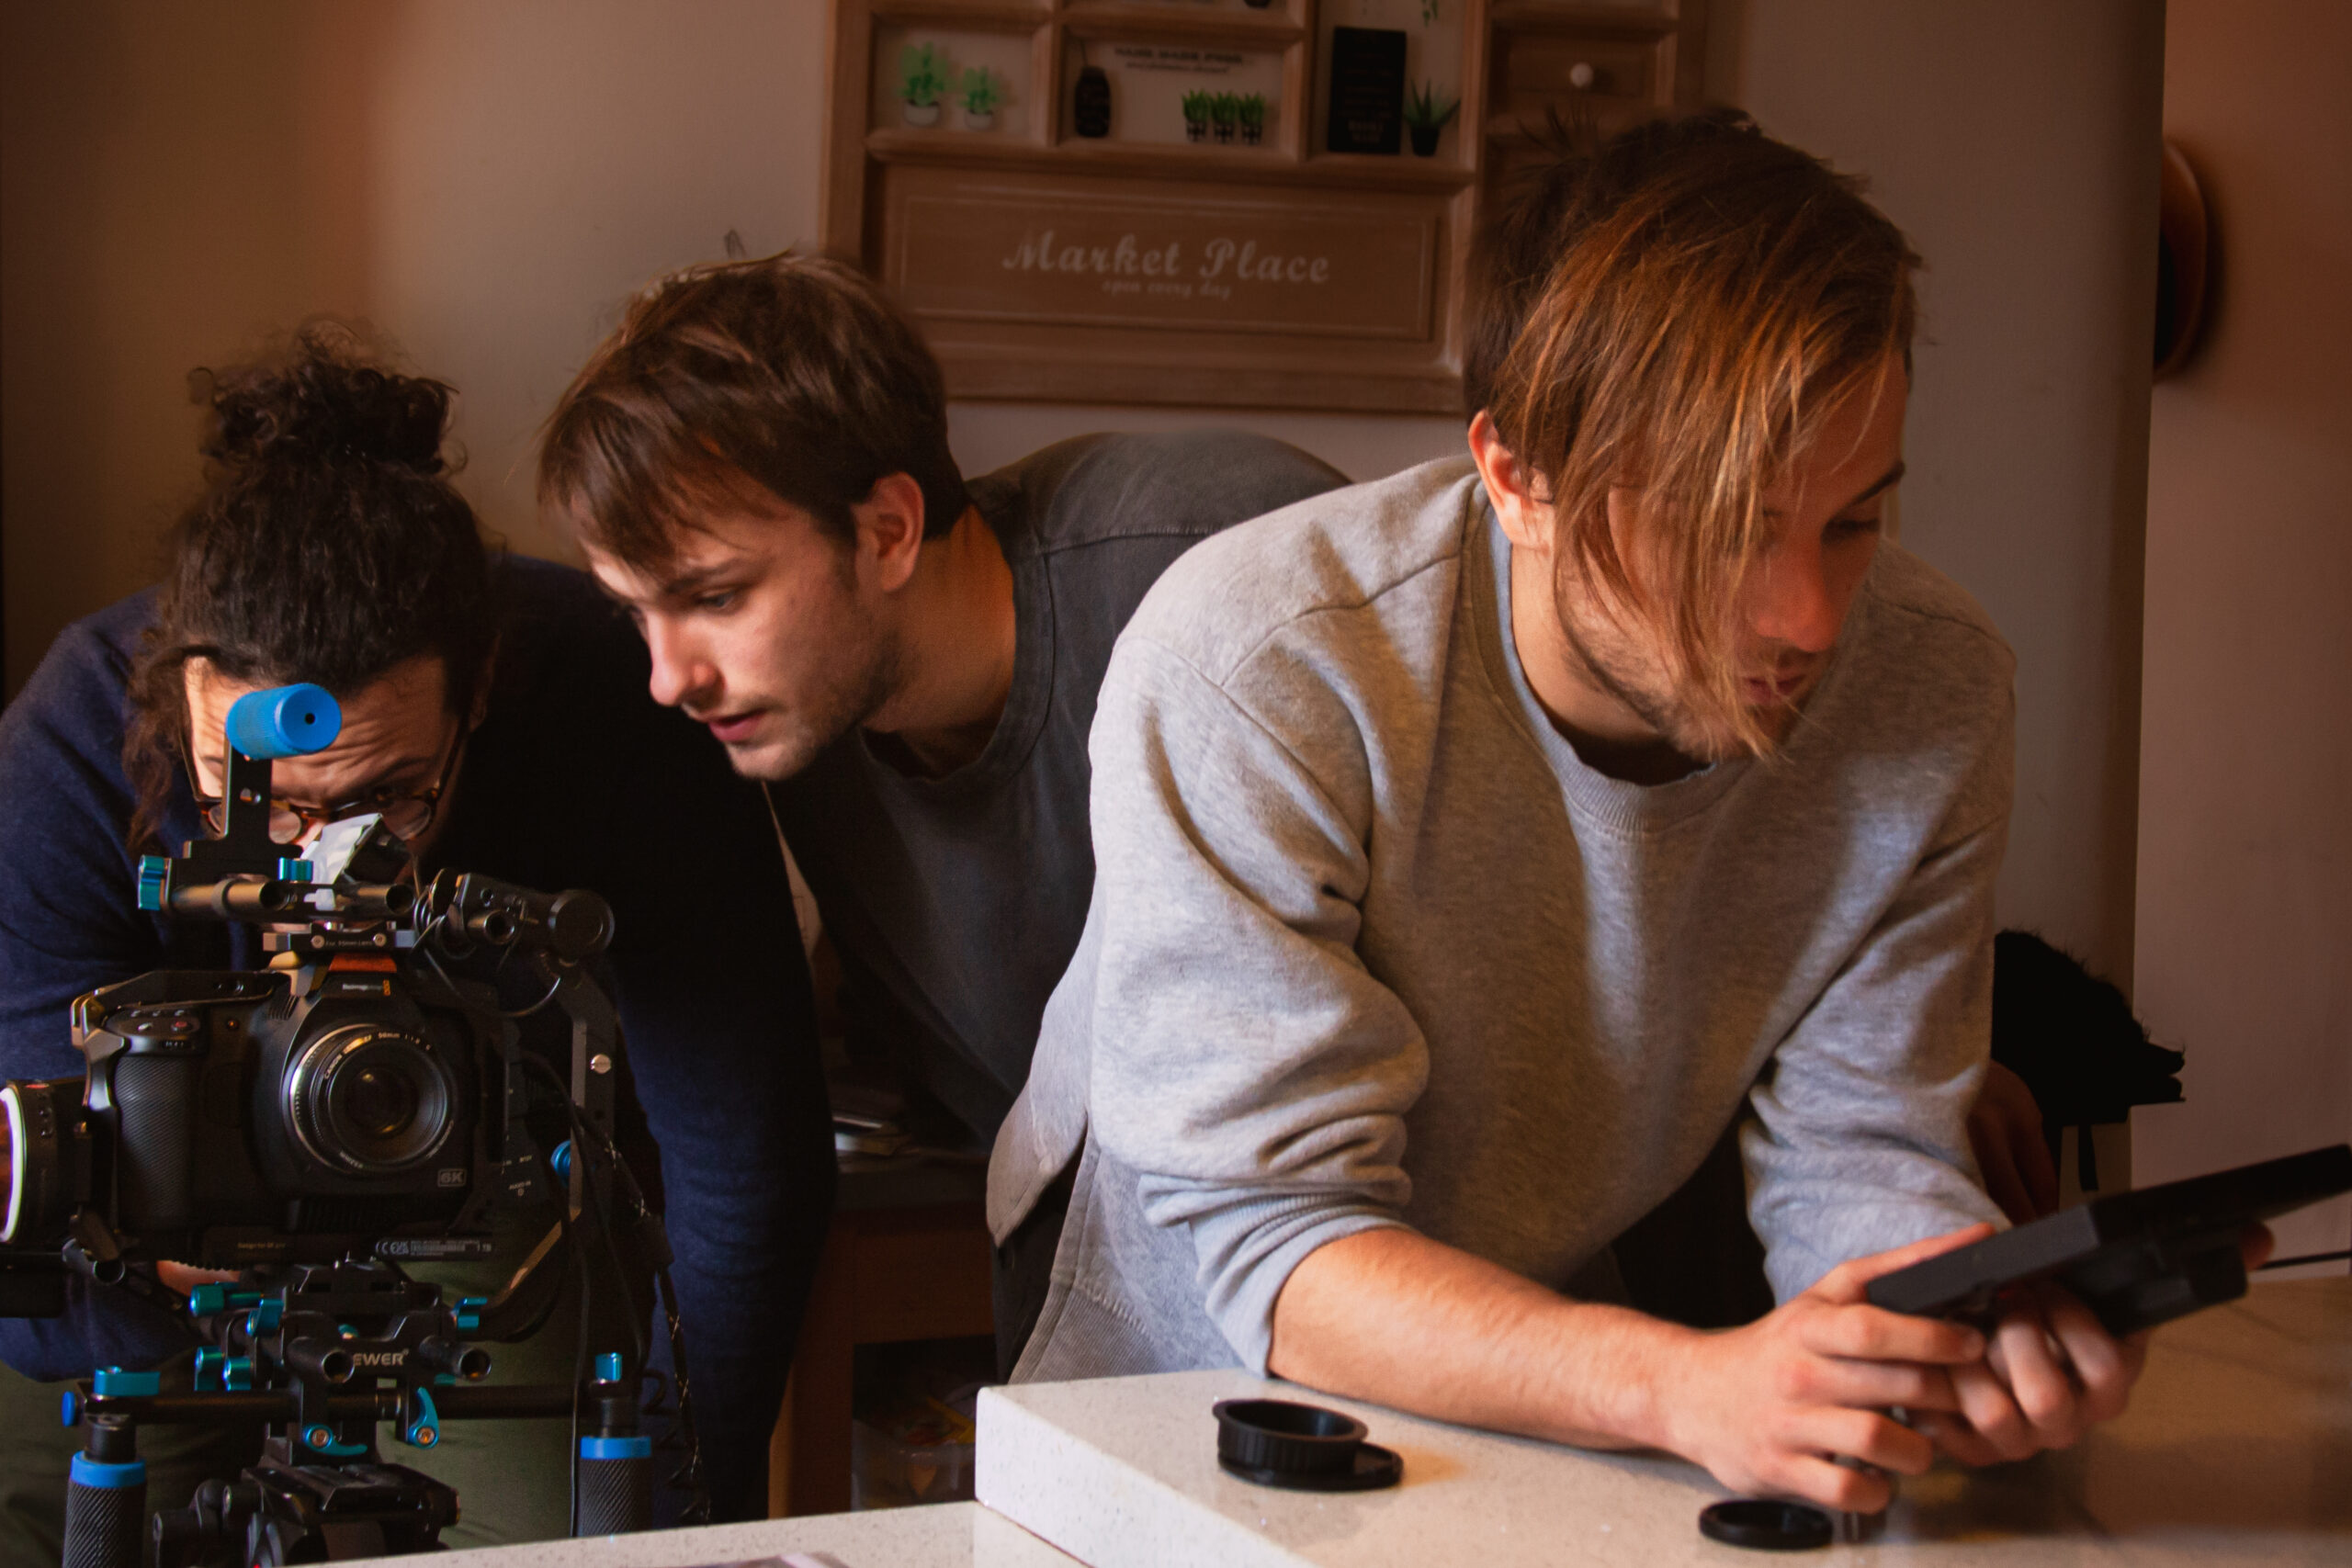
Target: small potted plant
{"x":980,"y":99}
{"x":1225,"y":113}
{"x":923,"y":82}
{"x":1252,"y":114}
{"x":1196,"y":117}
{"x":1425,"y":116}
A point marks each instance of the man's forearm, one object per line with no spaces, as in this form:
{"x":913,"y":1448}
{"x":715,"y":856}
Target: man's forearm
{"x":1392,"y":1316}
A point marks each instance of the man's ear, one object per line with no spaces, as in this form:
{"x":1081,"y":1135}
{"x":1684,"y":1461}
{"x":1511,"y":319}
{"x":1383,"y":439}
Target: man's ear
{"x":482,"y":684}
{"x":1511,"y":487}
{"x":889,"y":530}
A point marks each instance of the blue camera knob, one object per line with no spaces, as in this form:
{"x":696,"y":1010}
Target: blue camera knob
{"x":284,"y":721}
{"x":113,"y":1382}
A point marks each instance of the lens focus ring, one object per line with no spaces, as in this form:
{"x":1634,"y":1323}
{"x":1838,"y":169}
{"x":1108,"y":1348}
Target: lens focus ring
{"x":364,"y":1100}
{"x":37,"y":1121}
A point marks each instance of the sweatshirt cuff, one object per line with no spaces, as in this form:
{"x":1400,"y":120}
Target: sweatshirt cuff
{"x":1246,"y":1254}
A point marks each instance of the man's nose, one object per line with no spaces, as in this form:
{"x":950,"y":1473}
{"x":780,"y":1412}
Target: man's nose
{"x":1793,"y":600}
{"x":680,"y":670}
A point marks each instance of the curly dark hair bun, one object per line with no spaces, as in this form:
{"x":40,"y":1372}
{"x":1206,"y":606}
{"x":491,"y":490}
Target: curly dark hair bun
{"x":323,"y":400}
{"x":328,"y":544}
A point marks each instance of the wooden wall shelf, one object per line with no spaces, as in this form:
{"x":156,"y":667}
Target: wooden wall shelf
{"x":1144,"y":268}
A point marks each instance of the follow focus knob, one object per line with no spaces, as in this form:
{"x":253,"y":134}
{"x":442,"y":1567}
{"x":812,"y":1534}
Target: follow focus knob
{"x":284,"y":721}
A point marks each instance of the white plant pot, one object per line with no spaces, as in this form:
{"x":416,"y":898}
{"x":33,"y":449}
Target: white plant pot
{"x":982,"y":119}
{"x":920,"y":114}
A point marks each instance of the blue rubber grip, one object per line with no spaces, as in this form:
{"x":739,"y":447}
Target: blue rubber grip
{"x":615,"y":1448}
{"x":284,"y":721}
{"x":88,"y":1471}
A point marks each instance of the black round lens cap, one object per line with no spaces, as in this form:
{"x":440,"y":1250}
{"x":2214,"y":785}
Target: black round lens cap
{"x":1302,"y":1448}
{"x":1374,"y":1468}
{"x":1766,"y":1524}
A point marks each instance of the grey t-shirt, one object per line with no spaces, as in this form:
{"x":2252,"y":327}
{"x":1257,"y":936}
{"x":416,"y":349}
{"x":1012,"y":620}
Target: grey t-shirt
{"x":955,"y":902}
{"x":1371,"y":946}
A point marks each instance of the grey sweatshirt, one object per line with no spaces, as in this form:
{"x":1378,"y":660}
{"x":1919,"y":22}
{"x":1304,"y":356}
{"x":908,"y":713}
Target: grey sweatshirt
{"x":1370,"y":945}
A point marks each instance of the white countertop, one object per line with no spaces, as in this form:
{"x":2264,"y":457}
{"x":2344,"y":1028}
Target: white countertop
{"x":2237,"y":1450}
{"x":946,"y":1535}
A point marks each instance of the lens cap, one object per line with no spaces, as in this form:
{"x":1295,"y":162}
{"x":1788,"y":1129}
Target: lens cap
{"x":1301,"y":1448}
{"x":1766,"y":1524}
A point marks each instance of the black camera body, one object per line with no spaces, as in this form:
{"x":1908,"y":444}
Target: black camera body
{"x":353,"y":1099}
{"x":314,"y":1126}
{"x":287,"y":1116}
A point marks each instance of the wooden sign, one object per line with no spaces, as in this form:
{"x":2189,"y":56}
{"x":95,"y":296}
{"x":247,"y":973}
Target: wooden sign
{"x":1195,"y":257}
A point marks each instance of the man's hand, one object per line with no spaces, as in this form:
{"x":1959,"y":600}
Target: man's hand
{"x":2051,"y":1374}
{"x":185,"y":1277}
{"x":2005,"y":1129}
{"x":1769,"y":1408}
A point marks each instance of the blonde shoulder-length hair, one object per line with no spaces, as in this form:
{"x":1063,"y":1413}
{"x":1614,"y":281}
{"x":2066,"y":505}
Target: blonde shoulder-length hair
{"x":1713,"y":296}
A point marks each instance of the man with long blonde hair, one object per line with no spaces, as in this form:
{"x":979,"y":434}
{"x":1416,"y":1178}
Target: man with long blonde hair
{"x":1475,"y":846}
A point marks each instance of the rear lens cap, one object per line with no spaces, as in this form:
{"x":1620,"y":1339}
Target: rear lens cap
{"x":1300,"y":1448}
{"x":1766,"y":1524}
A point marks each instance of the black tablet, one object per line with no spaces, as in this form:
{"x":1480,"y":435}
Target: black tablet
{"x":2135,"y":1258}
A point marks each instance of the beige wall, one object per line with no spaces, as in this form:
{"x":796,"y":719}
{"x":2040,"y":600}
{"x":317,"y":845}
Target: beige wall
{"x":2245,"y":805}
{"x":2015,"y":141}
{"x":484,"y":180}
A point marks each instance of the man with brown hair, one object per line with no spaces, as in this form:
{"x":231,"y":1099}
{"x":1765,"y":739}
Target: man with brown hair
{"x":757,"y":463}
{"x":1477,"y":845}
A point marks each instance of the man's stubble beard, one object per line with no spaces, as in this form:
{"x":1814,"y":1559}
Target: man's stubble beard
{"x":1619,"y":670}
{"x":843,"y":704}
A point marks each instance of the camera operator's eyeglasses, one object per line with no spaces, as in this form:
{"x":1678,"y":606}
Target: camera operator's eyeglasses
{"x":407,"y":812}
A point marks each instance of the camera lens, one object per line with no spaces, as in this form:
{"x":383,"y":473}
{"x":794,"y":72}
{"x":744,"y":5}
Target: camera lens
{"x":382,"y":1104}
{"x":36,"y":1120}
{"x":364,"y":1100}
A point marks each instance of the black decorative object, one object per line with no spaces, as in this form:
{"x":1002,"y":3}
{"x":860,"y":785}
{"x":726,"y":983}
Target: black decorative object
{"x":2072,"y":1037}
{"x":1367,"y":90}
{"x":1091,"y":102}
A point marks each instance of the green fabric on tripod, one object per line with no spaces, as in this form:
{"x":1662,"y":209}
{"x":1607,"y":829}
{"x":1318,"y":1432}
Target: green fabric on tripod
{"x":514,"y":1478}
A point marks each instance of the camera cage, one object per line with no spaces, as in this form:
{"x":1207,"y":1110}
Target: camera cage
{"x":325,"y":1348}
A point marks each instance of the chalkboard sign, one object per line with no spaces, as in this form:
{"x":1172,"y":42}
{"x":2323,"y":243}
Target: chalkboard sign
{"x":1367,"y":90}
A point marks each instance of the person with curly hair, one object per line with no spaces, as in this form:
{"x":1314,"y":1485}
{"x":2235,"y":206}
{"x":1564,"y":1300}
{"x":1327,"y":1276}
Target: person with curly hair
{"x":495,"y":713}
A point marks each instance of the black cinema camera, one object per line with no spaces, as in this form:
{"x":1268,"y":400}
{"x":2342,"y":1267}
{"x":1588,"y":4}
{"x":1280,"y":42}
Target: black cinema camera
{"x":316,"y":1124}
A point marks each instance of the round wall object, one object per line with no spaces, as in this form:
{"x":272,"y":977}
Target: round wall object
{"x":2184,"y":240}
